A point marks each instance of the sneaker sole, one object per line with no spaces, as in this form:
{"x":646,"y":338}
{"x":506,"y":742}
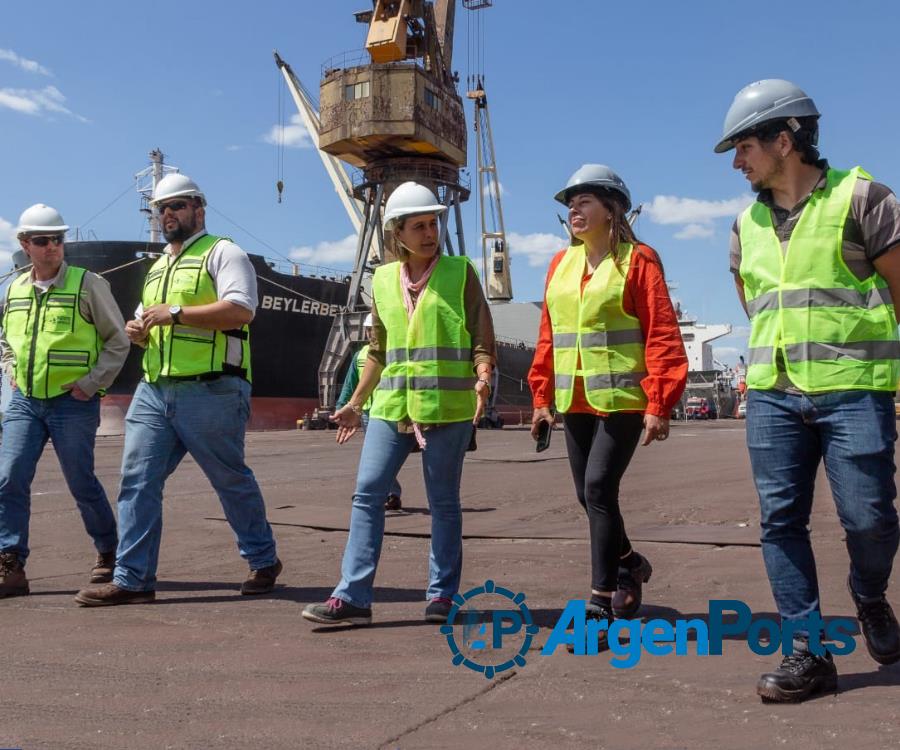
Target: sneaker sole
{"x":258,"y":591}
{"x":86,"y":602}
{"x":436,"y":618}
{"x":105,"y":578}
{"x":343,"y":621}
{"x":773,"y":694}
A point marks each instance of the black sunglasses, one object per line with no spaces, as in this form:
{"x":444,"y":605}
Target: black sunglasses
{"x":174,"y":205}
{"x":43,"y":241}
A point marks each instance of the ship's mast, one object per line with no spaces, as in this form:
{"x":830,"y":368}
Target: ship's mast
{"x":146,"y":181}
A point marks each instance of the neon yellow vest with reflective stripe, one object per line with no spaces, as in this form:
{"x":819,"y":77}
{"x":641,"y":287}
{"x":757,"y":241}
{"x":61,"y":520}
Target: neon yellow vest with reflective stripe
{"x":359,"y":363}
{"x":595,"y":326}
{"x":834,"y":331}
{"x":182,"y":350}
{"x":54,"y":345}
{"x":429,"y":375}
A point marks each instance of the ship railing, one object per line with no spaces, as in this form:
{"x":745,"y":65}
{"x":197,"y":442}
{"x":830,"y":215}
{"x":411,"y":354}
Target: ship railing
{"x":309,"y":270}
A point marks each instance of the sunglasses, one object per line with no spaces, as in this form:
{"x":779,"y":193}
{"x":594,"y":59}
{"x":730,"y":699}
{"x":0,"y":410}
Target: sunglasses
{"x":174,"y":205}
{"x":56,"y":239}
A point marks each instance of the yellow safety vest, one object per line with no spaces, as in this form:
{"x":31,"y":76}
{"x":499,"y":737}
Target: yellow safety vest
{"x":53,"y":343}
{"x":594,"y":327}
{"x":835,"y":332}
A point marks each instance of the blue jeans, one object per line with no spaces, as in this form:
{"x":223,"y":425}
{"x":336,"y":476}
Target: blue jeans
{"x":72,"y":425}
{"x":395,"y":489}
{"x":166,"y":420}
{"x":788,"y":435}
{"x":383,"y":453}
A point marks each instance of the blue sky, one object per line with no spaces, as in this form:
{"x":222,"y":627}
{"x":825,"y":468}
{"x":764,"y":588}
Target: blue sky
{"x":87,"y":89}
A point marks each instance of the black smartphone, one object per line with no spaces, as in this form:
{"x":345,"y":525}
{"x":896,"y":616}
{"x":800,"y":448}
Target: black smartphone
{"x":545,"y":429}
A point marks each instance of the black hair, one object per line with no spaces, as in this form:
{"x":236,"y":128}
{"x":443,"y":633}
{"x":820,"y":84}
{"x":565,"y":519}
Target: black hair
{"x":805,"y":138}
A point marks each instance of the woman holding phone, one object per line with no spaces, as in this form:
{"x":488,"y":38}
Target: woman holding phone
{"x":611,"y":358}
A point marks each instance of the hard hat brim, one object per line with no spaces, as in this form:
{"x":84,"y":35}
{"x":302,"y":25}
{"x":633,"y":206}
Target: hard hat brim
{"x":419,"y":211}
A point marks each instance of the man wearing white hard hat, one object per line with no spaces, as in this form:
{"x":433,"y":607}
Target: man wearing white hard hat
{"x":63,"y":344}
{"x":354,"y":372}
{"x":198,"y":300}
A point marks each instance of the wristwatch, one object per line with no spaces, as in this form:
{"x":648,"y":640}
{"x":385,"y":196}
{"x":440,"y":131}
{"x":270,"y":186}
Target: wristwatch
{"x":175,"y":312}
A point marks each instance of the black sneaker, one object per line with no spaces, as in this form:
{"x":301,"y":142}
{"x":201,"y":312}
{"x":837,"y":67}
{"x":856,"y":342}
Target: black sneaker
{"x":337,"y":612}
{"x":438,"y":610}
{"x":879,"y":628}
{"x":799,"y":676}
{"x":597,"y":612}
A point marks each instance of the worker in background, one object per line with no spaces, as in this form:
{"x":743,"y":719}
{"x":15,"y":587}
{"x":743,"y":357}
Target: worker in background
{"x":816,"y":263}
{"x":198,"y":300}
{"x":431,"y":355}
{"x":610,"y":357}
{"x":354,"y":373}
{"x":63,"y":344}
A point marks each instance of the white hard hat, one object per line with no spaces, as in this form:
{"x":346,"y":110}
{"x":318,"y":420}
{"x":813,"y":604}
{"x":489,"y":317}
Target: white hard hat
{"x":367,"y":323}
{"x":176,"y":185}
{"x":41,"y":219}
{"x":410,"y":199}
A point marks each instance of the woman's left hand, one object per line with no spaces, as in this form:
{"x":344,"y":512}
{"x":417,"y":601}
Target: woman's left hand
{"x":655,"y":428}
{"x":483,"y":393}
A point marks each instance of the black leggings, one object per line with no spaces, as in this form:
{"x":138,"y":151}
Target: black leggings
{"x":600,"y":449}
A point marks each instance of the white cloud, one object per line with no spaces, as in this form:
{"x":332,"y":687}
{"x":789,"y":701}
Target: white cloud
{"x":29,"y":66}
{"x":696,"y":215}
{"x":695,"y":231}
{"x":728,"y":355}
{"x":537,"y":248}
{"x":37,"y":102}
{"x":670,"y":209}
{"x":233,"y":147}
{"x":294,"y":135}
{"x":8,"y":242}
{"x":489,"y":182}
{"x":327,"y":253}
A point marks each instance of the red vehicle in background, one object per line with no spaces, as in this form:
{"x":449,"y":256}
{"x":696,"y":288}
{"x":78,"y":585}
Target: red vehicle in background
{"x":699,"y":408}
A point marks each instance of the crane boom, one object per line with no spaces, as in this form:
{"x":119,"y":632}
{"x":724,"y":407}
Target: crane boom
{"x":335,"y":169}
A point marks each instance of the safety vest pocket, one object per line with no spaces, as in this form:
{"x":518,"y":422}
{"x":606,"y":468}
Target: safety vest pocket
{"x":59,"y":314}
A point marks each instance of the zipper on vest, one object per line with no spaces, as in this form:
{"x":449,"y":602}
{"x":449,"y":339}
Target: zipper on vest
{"x":165,"y":289}
{"x":34,"y":334}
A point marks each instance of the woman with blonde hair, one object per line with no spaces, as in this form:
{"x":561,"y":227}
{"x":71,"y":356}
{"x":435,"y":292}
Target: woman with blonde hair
{"x":431,"y":355}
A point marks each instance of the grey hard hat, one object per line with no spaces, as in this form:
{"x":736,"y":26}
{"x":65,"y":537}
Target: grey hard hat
{"x":597,"y":176}
{"x":760,"y":102}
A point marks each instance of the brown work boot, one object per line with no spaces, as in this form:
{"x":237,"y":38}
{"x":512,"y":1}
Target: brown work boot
{"x":393,"y":502}
{"x":262,"y":581}
{"x":626,"y":600}
{"x":104,"y":566}
{"x":108,"y":595}
{"x":12,"y":576}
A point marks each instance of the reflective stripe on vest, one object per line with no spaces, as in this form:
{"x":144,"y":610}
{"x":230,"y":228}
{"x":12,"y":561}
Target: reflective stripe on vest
{"x":834,"y":331}
{"x":594,"y":328}
{"x":359,"y":362}
{"x":429,"y":376}
{"x":183,"y":350}
{"x":53,"y":343}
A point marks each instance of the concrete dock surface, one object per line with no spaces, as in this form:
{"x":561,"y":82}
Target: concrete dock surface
{"x":204,"y":667}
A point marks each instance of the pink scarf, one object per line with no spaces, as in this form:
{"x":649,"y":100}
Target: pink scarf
{"x":409,"y":289}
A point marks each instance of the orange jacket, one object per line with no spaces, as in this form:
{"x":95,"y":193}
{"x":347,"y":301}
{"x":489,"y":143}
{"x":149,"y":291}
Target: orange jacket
{"x":647,"y":298}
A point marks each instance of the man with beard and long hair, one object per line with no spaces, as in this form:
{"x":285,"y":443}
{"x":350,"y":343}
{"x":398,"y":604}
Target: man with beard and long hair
{"x":816,"y":262}
{"x":198,"y":300}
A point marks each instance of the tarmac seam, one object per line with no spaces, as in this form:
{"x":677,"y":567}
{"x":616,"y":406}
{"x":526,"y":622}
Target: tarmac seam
{"x":450,"y":709}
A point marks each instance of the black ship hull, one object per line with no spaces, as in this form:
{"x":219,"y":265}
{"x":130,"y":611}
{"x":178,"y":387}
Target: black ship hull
{"x":287,"y":337}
